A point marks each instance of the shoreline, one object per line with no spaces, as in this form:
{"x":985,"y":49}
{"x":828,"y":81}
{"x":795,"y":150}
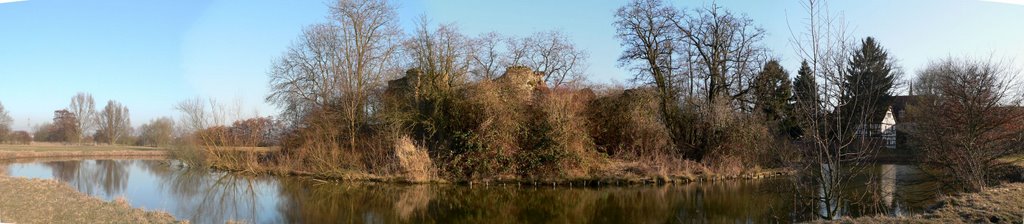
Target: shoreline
{"x":5,"y":154}
{"x":54,"y":150}
{"x":594,"y":181}
{"x":1002,"y":203}
{"x":996,"y":203}
{"x":30,"y":200}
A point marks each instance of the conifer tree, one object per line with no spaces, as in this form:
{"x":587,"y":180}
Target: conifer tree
{"x":806,"y":102}
{"x":772,"y":92}
{"x":869,"y":80}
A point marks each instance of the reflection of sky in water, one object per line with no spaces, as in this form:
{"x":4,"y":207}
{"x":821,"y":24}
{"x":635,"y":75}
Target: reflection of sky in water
{"x":143,"y":187}
{"x":217,"y":197}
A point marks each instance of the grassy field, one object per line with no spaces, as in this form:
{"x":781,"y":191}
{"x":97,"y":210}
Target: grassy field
{"x":50,"y":147}
{"x":43,"y":150}
{"x":48,"y":201}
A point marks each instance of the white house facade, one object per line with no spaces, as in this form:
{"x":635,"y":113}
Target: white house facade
{"x":885,"y":129}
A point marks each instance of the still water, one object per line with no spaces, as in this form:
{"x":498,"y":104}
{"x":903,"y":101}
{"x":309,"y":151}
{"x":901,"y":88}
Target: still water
{"x":202,"y":196}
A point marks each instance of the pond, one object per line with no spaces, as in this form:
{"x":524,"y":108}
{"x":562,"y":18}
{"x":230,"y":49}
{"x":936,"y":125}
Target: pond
{"x":216,"y":197}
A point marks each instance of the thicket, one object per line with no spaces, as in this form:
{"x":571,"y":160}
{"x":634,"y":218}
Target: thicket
{"x":361,"y":98}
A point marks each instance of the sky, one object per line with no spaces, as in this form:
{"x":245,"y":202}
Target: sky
{"x":149,"y":55}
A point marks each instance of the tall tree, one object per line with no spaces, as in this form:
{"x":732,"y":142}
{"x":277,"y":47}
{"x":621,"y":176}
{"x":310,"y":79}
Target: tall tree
{"x":830,"y":156}
{"x":84,"y":108}
{"x":869,"y":82}
{"x":724,"y":49}
{"x":557,"y":57}
{"x":339,"y":63}
{"x":441,"y":54}
{"x":113,"y":122}
{"x":645,"y":29}
{"x":805,"y":98}
{"x":772,"y":92}
{"x":5,"y":123}
{"x":805,"y":90}
{"x":66,"y":126}
{"x":486,"y":56}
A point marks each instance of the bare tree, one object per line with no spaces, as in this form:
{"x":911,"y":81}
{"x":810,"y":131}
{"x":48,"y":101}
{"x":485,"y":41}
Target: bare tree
{"x":972,"y":122}
{"x":646,"y":30}
{"x":113,"y":122}
{"x":557,"y":57}
{"x":198,"y":114}
{"x":194,"y":115}
{"x":342,"y":61}
{"x":832,"y":154}
{"x":723,"y":49}
{"x":549,"y":52}
{"x":517,"y":51}
{"x":158,"y":132}
{"x":486,"y":56}
{"x":441,"y":54}
{"x":5,"y":123}
{"x":84,"y":107}
{"x":927,"y":82}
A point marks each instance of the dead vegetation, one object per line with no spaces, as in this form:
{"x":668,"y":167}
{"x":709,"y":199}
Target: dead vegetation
{"x":1001,"y":204}
{"x":49,"y":201}
{"x":50,"y":150}
{"x":449,"y":119}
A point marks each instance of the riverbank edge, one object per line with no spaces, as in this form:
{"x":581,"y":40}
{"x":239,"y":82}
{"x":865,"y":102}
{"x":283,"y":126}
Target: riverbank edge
{"x":5,"y":155}
{"x":591,"y":181}
{"x":999,"y":204}
{"x":30,"y":200}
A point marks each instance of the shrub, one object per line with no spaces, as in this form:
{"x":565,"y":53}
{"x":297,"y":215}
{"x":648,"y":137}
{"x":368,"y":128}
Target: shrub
{"x":557,"y":140}
{"x":626,"y":124}
{"x":19,"y":138}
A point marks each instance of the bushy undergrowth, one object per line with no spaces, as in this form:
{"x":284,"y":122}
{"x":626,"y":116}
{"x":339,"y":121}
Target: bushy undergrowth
{"x":626,"y":124}
{"x":507,"y":128}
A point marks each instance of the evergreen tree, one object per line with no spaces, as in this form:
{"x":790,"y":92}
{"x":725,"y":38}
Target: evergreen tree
{"x":806,"y":101}
{"x":868,"y":82}
{"x":772,"y":91}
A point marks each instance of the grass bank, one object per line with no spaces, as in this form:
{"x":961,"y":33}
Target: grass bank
{"x":48,"y":201}
{"x":49,"y":150}
{"x":1002,"y":204}
{"x":603,"y":172}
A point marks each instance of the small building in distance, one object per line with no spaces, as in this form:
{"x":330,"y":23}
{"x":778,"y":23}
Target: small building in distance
{"x":885,"y":129}
{"x":895,"y":123}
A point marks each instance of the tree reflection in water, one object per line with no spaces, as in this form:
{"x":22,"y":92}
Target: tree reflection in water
{"x":205,"y":196}
{"x":94,"y":177}
{"x":211,"y":197}
{"x":314,"y":202}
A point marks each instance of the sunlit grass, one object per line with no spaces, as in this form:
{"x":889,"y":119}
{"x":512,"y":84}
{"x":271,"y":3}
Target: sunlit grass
{"x":48,"y":201}
{"x":52,"y":147}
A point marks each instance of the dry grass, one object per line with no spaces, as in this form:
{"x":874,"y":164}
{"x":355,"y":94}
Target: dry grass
{"x":48,"y":201}
{"x":44,"y":150}
{"x":414,"y":161}
{"x":49,"y":147}
{"x":1003,"y":204}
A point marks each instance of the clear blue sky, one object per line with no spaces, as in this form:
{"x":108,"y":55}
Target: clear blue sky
{"x":151,"y":54}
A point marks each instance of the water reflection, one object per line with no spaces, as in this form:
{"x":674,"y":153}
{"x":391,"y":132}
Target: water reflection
{"x":96,"y":177}
{"x":203,"y":196}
